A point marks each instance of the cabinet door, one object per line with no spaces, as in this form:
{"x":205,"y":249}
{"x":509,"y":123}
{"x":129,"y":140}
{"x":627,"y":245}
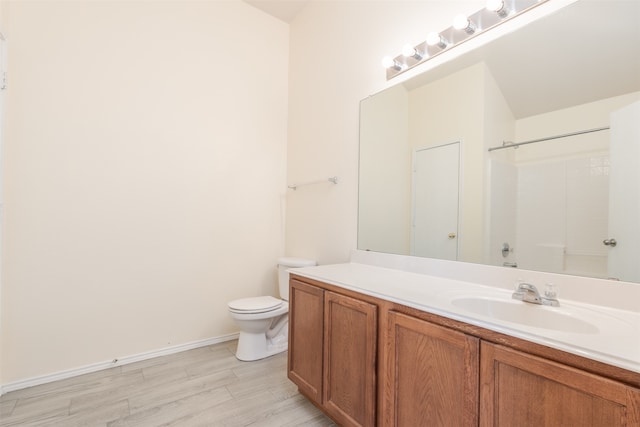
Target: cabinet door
{"x":433,"y":375}
{"x":350,"y":360}
{"x":518,"y":389}
{"x":306,"y":304}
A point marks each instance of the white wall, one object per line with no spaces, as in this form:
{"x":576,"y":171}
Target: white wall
{"x":336,"y":49}
{"x":144,"y":170}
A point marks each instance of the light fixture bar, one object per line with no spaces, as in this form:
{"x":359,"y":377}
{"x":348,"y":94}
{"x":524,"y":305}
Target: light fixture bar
{"x":478,"y":23}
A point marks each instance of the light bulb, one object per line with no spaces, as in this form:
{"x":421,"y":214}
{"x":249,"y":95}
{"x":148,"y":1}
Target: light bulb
{"x":494,"y":5}
{"x":460,"y":22}
{"x":435,"y":39}
{"x":408,"y":50}
{"x":388,"y":62}
{"x":498,"y":7}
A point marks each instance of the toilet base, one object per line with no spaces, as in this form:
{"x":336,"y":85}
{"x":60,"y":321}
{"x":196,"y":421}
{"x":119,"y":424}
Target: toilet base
{"x":255,"y":346}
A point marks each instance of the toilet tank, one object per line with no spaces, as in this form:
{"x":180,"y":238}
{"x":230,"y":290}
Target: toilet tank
{"x":284,"y":264}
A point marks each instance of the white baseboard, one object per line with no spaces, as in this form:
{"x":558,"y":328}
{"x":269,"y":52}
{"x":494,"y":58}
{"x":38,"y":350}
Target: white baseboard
{"x":43,"y":379}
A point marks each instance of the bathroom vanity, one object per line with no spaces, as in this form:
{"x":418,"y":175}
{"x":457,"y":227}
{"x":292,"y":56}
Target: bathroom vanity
{"x":379,"y":346}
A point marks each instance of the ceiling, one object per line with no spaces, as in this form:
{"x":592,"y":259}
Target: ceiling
{"x":284,"y":10}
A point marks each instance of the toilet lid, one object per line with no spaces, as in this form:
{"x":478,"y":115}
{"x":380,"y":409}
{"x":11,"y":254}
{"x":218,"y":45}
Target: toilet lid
{"x":255,"y":304}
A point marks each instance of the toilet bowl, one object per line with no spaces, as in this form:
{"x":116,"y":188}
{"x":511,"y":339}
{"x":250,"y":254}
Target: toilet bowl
{"x":264,"y":321}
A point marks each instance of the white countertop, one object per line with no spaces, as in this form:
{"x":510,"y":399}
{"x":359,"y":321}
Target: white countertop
{"x":615,"y":340}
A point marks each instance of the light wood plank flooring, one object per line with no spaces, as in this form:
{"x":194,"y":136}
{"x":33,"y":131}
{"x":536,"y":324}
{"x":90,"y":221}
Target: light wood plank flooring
{"x":206,"y":386}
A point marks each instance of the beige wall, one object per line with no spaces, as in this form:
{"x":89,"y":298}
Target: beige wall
{"x":144,"y":162}
{"x":1,"y":196}
{"x":467,"y":107}
{"x":450,"y":110}
{"x":384,"y":192}
{"x":499,"y":126}
{"x":336,"y":49}
{"x":144,"y":169}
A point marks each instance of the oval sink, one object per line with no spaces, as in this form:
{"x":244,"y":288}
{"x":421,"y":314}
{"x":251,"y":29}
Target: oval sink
{"x":527,"y":314}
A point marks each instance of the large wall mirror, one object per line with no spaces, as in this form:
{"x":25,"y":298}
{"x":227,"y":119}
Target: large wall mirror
{"x":523,"y":153}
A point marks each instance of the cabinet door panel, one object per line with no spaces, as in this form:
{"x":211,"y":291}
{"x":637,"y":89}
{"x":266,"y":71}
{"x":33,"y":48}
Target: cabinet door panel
{"x":350,"y":360}
{"x":524,"y":390}
{"x":434,"y":374}
{"x":306,"y":305}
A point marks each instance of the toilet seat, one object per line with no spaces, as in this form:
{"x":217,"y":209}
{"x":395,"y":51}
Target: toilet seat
{"x":255,"y":305}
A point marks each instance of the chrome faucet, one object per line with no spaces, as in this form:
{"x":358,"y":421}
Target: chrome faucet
{"x":528,"y":293}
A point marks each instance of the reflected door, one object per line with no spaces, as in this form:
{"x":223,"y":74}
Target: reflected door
{"x":436,"y":176}
{"x":624,"y":194}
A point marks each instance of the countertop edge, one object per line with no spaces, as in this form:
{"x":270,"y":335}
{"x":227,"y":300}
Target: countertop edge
{"x":326,"y":275}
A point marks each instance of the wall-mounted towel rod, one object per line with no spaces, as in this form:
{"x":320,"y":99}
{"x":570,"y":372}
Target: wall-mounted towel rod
{"x":333,"y":179}
{"x":508,"y":144}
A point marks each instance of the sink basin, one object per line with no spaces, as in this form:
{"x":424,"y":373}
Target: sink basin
{"x":526,"y":314}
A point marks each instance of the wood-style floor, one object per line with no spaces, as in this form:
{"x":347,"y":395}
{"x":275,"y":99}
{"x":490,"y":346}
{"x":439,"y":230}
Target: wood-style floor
{"x":206,"y":386}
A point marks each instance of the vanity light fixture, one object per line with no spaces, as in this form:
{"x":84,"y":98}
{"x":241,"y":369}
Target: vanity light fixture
{"x":436,"y":39}
{"x":461,"y":22}
{"x":464,"y":28}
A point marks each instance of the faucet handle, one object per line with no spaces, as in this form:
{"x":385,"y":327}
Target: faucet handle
{"x":523,"y":286}
{"x":516,"y":284}
{"x":550,"y":291}
{"x":550,"y":295}
{"x":526,"y":292}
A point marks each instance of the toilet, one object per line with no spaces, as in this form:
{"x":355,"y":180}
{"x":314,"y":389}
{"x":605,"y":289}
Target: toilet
{"x":263,"y":321}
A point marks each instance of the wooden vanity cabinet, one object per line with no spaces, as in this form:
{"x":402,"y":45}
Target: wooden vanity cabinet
{"x":432,"y":374}
{"x":519,"y":389}
{"x":432,"y":370}
{"x":349,"y":386}
{"x":332,"y":352}
{"x":306,"y":332}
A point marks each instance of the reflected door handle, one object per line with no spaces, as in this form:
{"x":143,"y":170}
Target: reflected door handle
{"x":452,"y":235}
{"x":610,"y":242}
